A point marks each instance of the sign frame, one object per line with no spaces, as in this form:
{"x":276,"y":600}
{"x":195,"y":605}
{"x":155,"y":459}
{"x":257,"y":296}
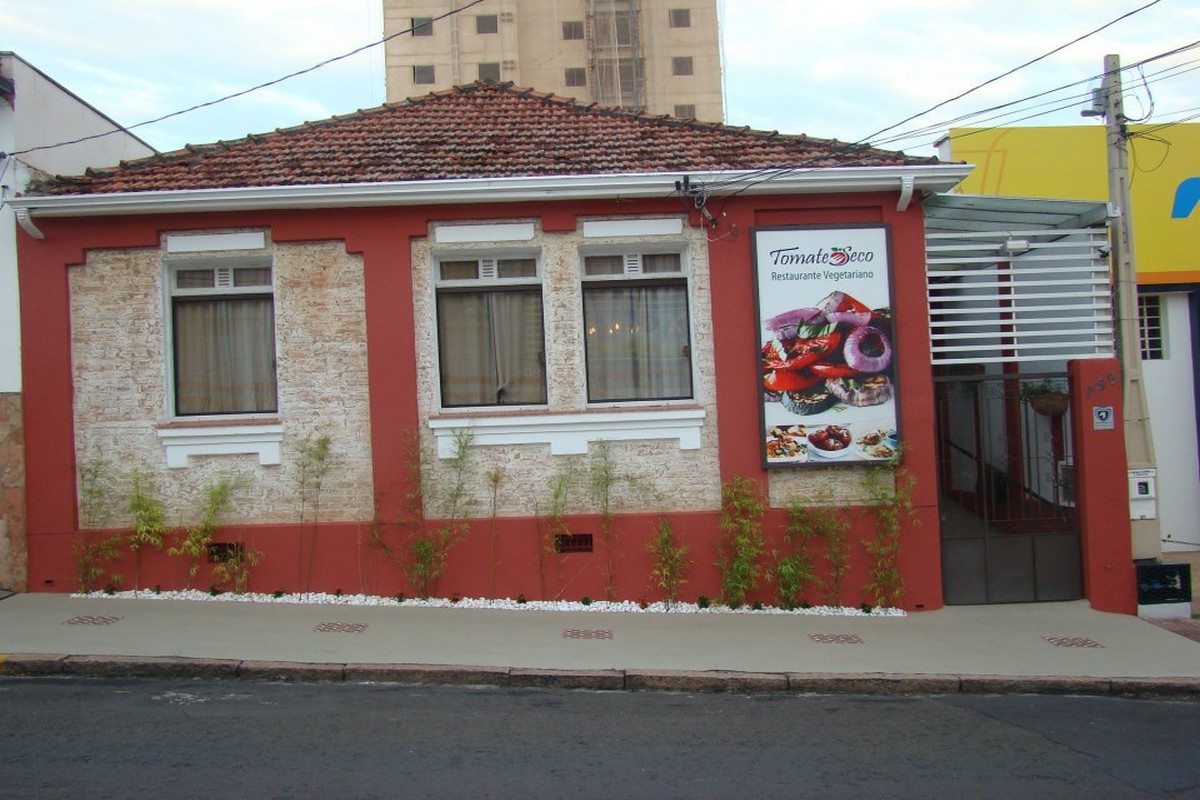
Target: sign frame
{"x":845,"y":272}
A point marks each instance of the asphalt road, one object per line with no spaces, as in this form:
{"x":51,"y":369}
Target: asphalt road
{"x":134,"y":738}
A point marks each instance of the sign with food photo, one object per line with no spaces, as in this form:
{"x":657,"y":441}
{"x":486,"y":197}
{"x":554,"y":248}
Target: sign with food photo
{"x":826,"y":363}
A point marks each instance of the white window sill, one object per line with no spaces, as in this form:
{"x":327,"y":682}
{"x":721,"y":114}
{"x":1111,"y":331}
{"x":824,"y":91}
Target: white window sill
{"x":181,"y":443}
{"x":569,"y":434}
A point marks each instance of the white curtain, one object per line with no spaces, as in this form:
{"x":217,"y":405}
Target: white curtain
{"x":225,"y":356}
{"x":637,"y":343}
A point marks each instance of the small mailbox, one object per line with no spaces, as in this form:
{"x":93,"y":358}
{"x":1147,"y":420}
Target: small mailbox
{"x":1143,"y":491}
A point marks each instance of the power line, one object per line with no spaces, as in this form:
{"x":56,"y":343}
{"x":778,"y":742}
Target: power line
{"x":1154,"y":78}
{"x":1017,"y":68}
{"x":243,"y":92}
{"x":761,"y":176}
{"x":764,"y":175}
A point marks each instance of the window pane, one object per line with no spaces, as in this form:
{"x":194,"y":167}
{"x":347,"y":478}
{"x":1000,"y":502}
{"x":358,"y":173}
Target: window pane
{"x":637,"y":343}
{"x":225,"y":356}
{"x":252,"y":276}
{"x":681,"y":65}
{"x":660,"y":262}
{"x":686,"y":111}
{"x":490,"y":345}
{"x":573,"y":30}
{"x":459,"y":270}
{"x":575,"y":76}
{"x":489,"y":71}
{"x":604,"y":265}
{"x":516,"y":268}
{"x":422,"y":26}
{"x":194,"y":279}
{"x":423,"y":73}
{"x":487,"y":23}
{"x":681,"y":18}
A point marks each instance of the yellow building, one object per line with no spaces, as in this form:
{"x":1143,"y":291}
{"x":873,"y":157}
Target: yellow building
{"x":1071,"y":163}
{"x":660,"y":56}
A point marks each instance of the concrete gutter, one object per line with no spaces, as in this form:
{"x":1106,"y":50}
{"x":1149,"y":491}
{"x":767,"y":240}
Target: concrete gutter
{"x":111,"y":666}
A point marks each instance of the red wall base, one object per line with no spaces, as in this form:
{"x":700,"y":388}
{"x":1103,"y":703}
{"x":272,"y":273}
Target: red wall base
{"x":511,"y":561}
{"x":1102,"y":490}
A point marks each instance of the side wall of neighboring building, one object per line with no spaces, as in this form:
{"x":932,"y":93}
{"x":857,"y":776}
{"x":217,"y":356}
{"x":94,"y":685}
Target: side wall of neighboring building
{"x":39,"y":112}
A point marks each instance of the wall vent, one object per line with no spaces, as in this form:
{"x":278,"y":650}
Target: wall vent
{"x":573,"y":543}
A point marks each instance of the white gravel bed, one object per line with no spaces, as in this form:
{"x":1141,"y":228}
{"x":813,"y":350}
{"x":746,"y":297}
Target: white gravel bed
{"x":506,"y":604}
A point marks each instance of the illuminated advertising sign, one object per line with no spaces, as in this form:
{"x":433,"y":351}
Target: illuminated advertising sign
{"x":827,"y":363}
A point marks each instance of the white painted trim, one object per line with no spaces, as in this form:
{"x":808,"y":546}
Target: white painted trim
{"x":212,"y":242}
{"x":261,"y":440}
{"x":632,"y":227}
{"x":806,"y":180}
{"x":1165,"y":610}
{"x":505,"y":232}
{"x":569,"y":434}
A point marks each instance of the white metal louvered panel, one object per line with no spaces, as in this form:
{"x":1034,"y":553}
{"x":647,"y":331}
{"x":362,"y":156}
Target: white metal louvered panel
{"x":1018,"y":296}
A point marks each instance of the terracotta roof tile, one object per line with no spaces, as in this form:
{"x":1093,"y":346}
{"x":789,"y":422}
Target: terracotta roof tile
{"x":482,"y":130}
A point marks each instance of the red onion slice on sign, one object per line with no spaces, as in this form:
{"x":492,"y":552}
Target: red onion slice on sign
{"x":867,"y":349}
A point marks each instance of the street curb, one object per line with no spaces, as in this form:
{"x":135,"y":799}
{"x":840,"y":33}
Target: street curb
{"x":111,"y":666}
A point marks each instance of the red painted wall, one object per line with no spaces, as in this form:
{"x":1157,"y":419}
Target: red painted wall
{"x":341,"y":557}
{"x":1102,"y":489}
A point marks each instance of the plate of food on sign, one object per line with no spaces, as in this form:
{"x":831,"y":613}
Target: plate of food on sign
{"x":829,"y":366}
{"x":787,"y":443}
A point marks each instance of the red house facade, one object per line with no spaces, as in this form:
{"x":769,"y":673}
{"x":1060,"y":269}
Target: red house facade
{"x":519,"y":330}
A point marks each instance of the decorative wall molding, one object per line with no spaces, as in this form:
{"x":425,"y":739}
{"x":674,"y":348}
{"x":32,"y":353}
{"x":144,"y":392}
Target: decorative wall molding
{"x":261,"y":440}
{"x":570,"y":434}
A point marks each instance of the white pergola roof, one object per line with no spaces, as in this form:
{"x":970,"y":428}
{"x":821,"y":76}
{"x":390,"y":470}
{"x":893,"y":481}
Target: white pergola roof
{"x":1016,"y":279}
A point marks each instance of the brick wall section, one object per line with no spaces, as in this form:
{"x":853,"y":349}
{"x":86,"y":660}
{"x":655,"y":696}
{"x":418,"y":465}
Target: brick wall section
{"x":118,"y":349}
{"x":685,"y":480}
{"x":13,"y":559}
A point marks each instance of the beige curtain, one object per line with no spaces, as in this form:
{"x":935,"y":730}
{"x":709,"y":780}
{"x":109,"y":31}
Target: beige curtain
{"x":637,"y":343}
{"x":225,"y":356}
{"x":490,"y":345}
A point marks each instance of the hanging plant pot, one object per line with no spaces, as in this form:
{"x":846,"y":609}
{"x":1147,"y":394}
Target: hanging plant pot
{"x":1049,"y":404}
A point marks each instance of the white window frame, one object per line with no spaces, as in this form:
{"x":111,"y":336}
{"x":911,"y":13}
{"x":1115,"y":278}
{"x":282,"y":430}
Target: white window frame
{"x":633,"y":254}
{"x":1152,"y":327}
{"x":259,"y":433}
{"x":489,"y":280}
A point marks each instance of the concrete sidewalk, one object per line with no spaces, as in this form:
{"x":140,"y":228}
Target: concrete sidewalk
{"x":1048,"y":647}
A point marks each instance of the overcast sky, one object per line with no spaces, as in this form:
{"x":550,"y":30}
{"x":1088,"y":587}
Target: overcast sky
{"x":828,"y":69}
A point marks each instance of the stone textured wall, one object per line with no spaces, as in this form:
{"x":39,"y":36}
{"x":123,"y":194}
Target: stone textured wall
{"x":662,"y":477}
{"x":13,"y":559}
{"x":119,"y":314}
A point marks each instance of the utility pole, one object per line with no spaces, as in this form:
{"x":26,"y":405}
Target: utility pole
{"x":1139,"y":447}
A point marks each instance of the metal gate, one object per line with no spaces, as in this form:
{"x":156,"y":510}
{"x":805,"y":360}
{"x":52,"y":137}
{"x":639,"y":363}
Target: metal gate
{"x":1008,"y":519}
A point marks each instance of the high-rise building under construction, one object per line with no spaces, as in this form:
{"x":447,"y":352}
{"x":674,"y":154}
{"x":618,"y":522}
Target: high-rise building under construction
{"x":658,"y":56}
